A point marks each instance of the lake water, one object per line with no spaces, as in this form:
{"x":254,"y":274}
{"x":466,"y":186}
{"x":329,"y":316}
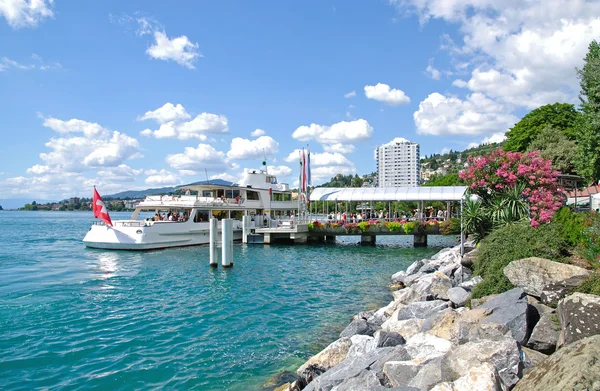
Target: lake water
{"x":76,"y":318}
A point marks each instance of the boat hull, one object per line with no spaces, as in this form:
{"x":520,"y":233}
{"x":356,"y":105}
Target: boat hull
{"x":141,"y":239}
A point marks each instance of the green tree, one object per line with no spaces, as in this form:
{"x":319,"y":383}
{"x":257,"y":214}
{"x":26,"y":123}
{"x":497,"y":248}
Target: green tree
{"x":444,"y":180}
{"x":555,"y":146}
{"x":562,"y":116}
{"x":588,"y":126}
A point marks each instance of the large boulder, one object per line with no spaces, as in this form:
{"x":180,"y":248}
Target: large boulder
{"x":429,"y":375}
{"x":414,"y":267}
{"x":468,"y":259}
{"x":400,"y":373}
{"x":481,"y":378}
{"x":406,"y":328}
{"x":386,"y":339}
{"x":579,"y":317}
{"x":556,"y":291}
{"x":458,"y":296}
{"x":329,"y":357}
{"x":433,"y":286}
{"x":511,"y":309}
{"x":545,"y":334}
{"x":359,"y":326}
{"x":361,"y":344}
{"x":533,"y":274}
{"x":504,"y":355}
{"x":425,"y":347}
{"x":531,"y":359}
{"x":470,"y":284}
{"x":574,"y":367}
{"x":421,"y":309}
{"x":443,"y":325}
{"x":461,"y":275}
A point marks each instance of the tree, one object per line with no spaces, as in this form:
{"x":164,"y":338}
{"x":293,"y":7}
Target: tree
{"x":588,"y":126}
{"x":562,"y":116}
{"x":555,"y":146}
{"x":444,"y":180}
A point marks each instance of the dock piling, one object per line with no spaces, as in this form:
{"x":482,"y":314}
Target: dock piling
{"x":227,"y":243}
{"x":245,"y":228}
{"x":212,"y":243}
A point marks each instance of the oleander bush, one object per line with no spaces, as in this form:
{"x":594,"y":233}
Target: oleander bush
{"x":510,"y":243}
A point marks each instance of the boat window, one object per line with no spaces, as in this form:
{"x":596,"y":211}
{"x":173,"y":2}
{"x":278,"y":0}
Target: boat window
{"x":220,"y":214}
{"x":277,"y":197}
{"x":271,"y":179}
{"x":252,"y":195}
{"x":287,"y":197}
{"x":207,"y":193}
{"x":201,"y":216}
{"x":232,"y":193}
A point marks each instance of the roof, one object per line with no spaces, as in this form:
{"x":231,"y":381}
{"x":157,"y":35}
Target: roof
{"x":590,"y":190}
{"x":423,"y":193}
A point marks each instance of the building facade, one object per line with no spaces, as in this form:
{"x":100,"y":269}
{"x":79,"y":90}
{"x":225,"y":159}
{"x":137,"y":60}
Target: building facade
{"x":398,"y":164}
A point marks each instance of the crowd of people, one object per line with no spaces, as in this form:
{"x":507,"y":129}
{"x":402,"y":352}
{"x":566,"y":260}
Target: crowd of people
{"x":171,"y":216}
{"x":415,"y":214}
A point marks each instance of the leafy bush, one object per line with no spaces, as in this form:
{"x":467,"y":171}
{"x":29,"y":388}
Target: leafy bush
{"x":571,"y":225}
{"x":408,"y":227}
{"x":591,"y":285}
{"x":394,"y":226}
{"x":450,"y":227}
{"x":363,"y":225}
{"x":580,"y":230}
{"x":510,"y":243}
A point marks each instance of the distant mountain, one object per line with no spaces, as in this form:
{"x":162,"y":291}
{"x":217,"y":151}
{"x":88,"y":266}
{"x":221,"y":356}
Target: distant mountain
{"x":136,"y":194}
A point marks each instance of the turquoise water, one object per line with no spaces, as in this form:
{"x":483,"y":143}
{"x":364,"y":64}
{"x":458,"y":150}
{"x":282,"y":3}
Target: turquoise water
{"x":76,"y":318}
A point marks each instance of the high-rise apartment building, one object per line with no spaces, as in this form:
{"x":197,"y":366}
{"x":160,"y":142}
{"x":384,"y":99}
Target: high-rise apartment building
{"x":398,"y":164}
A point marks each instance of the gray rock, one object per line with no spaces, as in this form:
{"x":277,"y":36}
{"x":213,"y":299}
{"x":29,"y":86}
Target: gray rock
{"x":470,"y":284}
{"x":531,"y":359}
{"x":362,"y":381}
{"x":359,"y":326}
{"x":363,"y":315}
{"x":406,"y":328}
{"x":414,"y":267}
{"x":556,"y":291}
{"x":574,"y":367}
{"x":433,"y":286}
{"x":481,"y":378}
{"x":379,"y":317}
{"x":504,"y":355}
{"x":579,"y":317}
{"x":544,"y":335}
{"x":511,"y":309}
{"x":400,"y":373}
{"x":329,"y":357}
{"x":533,"y":274}
{"x":428,"y":268}
{"x":477,"y":302}
{"x":408,"y":295}
{"x":425,"y":347}
{"x":461,"y":275}
{"x":458,"y":296}
{"x":449,"y":269}
{"x":382,"y":388}
{"x":399,"y":276}
{"x":421,"y":309}
{"x":541,"y":308}
{"x":468,"y":259}
{"x":429,"y":375}
{"x":409,"y":280}
{"x":361,"y":344}
{"x":482,"y":331}
{"x":384,"y":339}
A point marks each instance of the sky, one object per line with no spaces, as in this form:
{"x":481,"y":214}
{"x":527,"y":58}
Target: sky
{"x":138,"y":94}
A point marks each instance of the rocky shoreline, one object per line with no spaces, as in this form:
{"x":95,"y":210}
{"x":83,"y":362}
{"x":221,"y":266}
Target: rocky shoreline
{"x":432,"y":336}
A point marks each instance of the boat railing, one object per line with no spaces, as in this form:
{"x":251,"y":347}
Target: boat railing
{"x":195,"y":200}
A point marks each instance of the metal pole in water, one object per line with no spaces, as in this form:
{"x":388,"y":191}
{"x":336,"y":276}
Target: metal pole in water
{"x":245,"y":228}
{"x":212,"y":242}
{"x":227,"y":243}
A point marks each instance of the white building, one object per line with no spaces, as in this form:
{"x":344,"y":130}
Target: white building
{"x":398,"y":163}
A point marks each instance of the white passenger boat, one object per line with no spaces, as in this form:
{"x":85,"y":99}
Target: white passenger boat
{"x":258,"y":195}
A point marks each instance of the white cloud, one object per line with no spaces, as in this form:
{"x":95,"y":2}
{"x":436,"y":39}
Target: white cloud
{"x":195,"y":129}
{"x":226,"y":177}
{"x":161,"y":178}
{"x":187,"y":172}
{"x":26,"y":13}
{"x":198,"y":159}
{"x":477,"y":114}
{"x":341,"y":132}
{"x":397,"y":140}
{"x":350,"y":94}
{"x":322,"y":174}
{"x":89,"y":129}
{"x":252,"y":149}
{"x":321,"y":159}
{"x":180,"y":49}
{"x":257,"y":133}
{"x":168,"y":112}
{"x":383,"y":93}
{"x":494,"y":138}
{"x":432,"y":72}
{"x":339,"y":148}
{"x":120,"y":173}
{"x":7,"y":63}
{"x":445,"y":150}
{"x":38,"y":169}
{"x":280,"y":171}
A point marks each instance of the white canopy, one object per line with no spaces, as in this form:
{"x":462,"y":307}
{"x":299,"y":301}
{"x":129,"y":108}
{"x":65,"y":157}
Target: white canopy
{"x":423,"y":193}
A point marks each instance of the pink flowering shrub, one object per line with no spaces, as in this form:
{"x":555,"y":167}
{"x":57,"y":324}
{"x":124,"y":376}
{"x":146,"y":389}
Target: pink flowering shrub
{"x":491,"y":177}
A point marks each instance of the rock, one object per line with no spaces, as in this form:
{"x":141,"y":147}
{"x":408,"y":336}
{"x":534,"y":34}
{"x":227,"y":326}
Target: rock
{"x":541,"y":308}
{"x":458,"y":296}
{"x":533,"y":274}
{"x":482,"y":331}
{"x":429,"y":267}
{"x":511,"y":309}
{"x":481,"y":378}
{"x":379,"y":316}
{"x":409,"y":280}
{"x":407,"y":296}
{"x":414,"y":267}
{"x":470,"y":284}
{"x":449,"y":269}
{"x":399,"y":276}
{"x":433,"y":286}
{"x":444,"y":325}
{"x":504,"y":355}
{"x":429,"y":375}
{"x":332,"y":355}
{"x":359,"y":326}
{"x":426,"y":347}
{"x":406,"y":328}
{"x":361,"y":344}
{"x":556,"y":291}
{"x":579,"y":317}
{"x":384,"y":339}
{"x":361,"y":382}
{"x":396,"y":286}
{"x":545,"y":334}
{"x":363,"y":315}
{"x":421,"y":309}
{"x":382,"y":388}
{"x":354,"y":367}
{"x":469,"y":258}
{"x":531,"y":359}
{"x":477,"y":302}
{"x":461,"y":275}
{"x":400,"y":373}
{"x":445,"y":386}
{"x":574,"y":367}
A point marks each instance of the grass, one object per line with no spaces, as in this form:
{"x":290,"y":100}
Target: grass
{"x":591,"y":285}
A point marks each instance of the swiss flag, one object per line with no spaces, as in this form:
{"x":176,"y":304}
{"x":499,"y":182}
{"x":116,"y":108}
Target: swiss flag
{"x":100,"y":211}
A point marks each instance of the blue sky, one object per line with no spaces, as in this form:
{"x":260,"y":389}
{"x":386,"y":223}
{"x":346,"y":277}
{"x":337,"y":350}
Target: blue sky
{"x":138,"y":94}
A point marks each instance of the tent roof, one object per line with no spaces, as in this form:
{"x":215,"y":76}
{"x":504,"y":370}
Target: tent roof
{"x":423,"y":193}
